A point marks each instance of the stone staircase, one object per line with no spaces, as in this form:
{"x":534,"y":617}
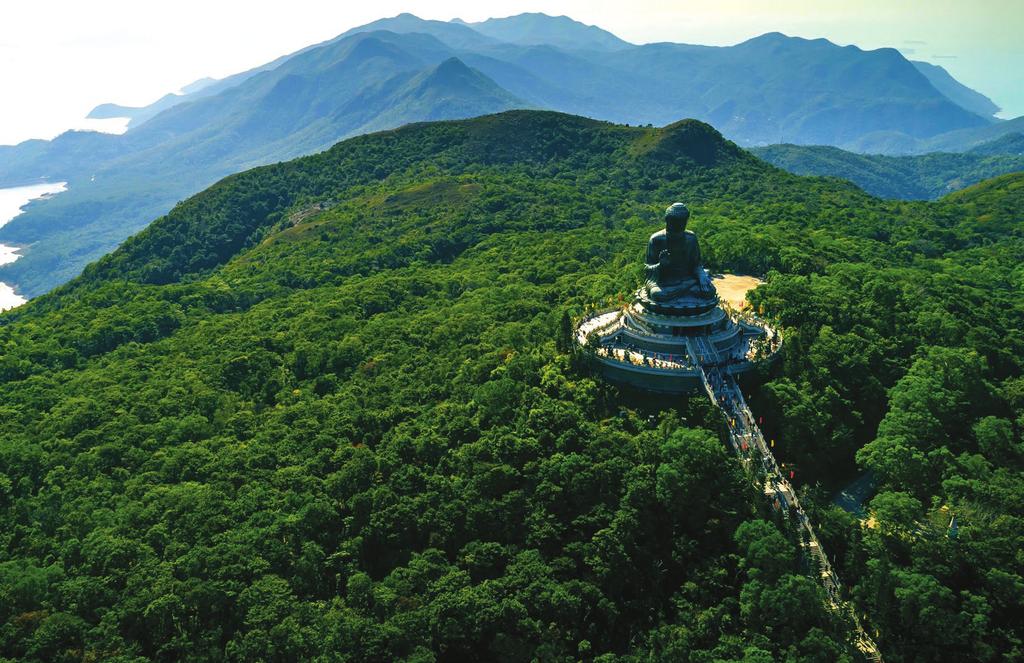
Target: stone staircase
{"x":747,"y":441}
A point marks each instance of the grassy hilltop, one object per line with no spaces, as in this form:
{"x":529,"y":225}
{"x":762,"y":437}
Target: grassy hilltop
{"x":323,"y":410}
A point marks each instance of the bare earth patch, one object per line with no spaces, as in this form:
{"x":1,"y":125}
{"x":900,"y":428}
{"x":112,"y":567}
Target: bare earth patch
{"x":733,"y":288}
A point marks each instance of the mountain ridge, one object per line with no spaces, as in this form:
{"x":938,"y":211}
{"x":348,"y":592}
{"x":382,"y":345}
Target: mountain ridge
{"x":533,"y":28}
{"x":964,"y":96}
{"x":458,"y":33}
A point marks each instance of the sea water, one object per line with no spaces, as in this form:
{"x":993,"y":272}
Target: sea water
{"x":12,"y":201}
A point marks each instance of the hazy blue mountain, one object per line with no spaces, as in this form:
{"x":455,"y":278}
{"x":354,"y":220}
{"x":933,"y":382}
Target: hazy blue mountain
{"x":106,"y":111}
{"x":956,"y":91}
{"x":813,"y":91}
{"x":963,"y":140}
{"x":531,"y":29}
{"x":450,"y":91}
{"x":453,"y":35}
{"x":404,"y":69}
{"x":66,"y":157}
{"x":769,"y":88}
{"x":139,"y":114}
{"x":311,"y":94}
{"x":956,"y":140}
{"x":198,"y":85}
{"x":456,"y":35}
{"x":204,"y":87}
{"x":916,"y":177}
{"x":364,"y":82}
{"x":1012,"y":143}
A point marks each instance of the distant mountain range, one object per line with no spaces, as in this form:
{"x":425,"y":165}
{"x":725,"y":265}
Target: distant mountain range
{"x":909,"y":177}
{"x":404,"y":69}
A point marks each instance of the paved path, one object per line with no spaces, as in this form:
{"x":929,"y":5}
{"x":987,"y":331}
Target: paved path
{"x":638,"y":357}
{"x":748,"y":443}
{"x":603,"y":321}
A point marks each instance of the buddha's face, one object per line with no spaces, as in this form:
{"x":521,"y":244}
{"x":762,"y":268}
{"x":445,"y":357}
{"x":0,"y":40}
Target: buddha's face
{"x":676,"y":217}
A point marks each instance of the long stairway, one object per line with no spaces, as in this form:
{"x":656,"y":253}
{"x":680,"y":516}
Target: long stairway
{"x":748,"y":443}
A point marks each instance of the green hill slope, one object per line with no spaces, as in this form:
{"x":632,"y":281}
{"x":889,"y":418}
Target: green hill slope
{"x":994,"y":202}
{"x":958,"y":140}
{"x":919,"y":177}
{"x":323,"y":410}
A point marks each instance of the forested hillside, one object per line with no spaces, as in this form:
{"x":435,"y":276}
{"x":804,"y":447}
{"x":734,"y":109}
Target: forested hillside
{"x":912,"y":177}
{"x":325,"y":409}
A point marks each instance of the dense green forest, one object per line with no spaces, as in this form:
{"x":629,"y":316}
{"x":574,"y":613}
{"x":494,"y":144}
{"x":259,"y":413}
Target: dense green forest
{"x":324,"y":410}
{"x":912,"y":177}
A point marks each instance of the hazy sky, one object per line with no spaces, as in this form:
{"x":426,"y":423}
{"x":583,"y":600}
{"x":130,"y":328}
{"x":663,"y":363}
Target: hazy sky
{"x":60,"y":58}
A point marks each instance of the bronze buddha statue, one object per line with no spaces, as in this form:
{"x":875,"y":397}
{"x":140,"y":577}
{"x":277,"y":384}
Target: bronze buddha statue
{"x":673,"y":260}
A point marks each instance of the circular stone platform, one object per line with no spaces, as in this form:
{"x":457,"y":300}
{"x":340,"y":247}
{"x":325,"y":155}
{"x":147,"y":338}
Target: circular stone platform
{"x":665,"y":343}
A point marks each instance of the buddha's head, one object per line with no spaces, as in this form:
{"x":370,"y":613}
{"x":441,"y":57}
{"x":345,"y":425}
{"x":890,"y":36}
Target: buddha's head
{"x":676,"y":216}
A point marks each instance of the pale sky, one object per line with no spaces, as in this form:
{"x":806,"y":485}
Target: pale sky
{"x":59,"y":58}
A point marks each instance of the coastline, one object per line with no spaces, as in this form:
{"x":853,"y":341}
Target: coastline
{"x":8,"y":298}
{"x":12,"y":203}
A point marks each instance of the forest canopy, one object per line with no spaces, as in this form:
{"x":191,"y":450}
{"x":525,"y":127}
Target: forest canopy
{"x":322,"y":411}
